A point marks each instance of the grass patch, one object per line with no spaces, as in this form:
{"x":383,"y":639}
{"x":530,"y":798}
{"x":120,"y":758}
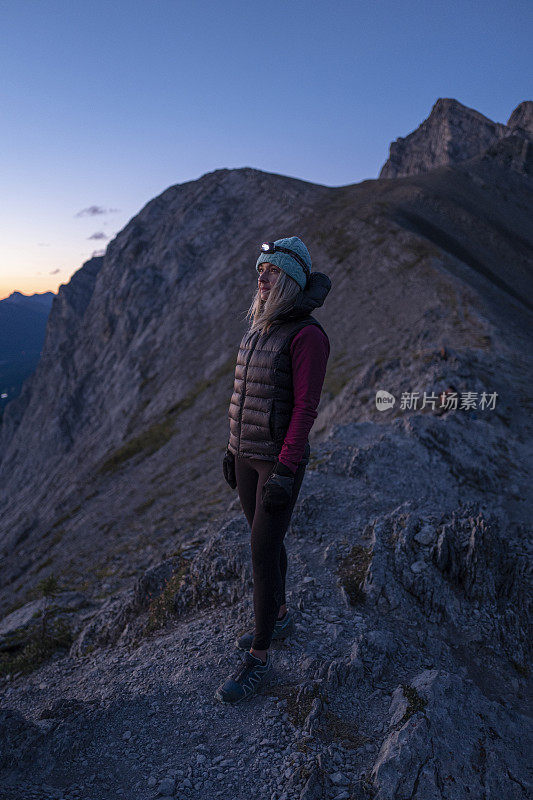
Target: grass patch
{"x":298,"y":710}
{"x":28,"y":650}
{"x":58,"y":535}
{"x":46,"y":587}
{"x":38,"y":649}
{"x":394,"y":530}
{"x":105,"y":572}
{"x":338,"y":373}
{"x":66,"y":516}
{"x":162,"y":608}
{"x":339,"y":243}
{"x":46,"y":563}
{"x":147,"y":442}
{"x":338,"y":729}
{"x":315,"y":461}
{"x":81,"y":585}
{"x":414,"y":702}
{"x":335,"y":381}
{"x":352,"y":570}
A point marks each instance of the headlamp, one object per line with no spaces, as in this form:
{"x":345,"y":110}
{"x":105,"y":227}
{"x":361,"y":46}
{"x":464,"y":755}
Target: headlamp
{"x":270,"y":247}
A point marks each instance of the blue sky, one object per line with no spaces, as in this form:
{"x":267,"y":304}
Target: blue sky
{"x":106,"y":104}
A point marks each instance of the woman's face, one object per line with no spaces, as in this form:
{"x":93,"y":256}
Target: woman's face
{"x":268,"y":275}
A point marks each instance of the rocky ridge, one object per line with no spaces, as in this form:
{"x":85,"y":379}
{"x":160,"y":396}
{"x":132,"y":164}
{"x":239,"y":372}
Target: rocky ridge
{"x":409,"y":548}
{"x":452,"y":133}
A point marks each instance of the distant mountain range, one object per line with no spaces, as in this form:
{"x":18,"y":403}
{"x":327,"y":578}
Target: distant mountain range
{"x":23,"y":321}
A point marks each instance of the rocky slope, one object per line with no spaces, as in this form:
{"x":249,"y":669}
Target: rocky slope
{"x":409,"y":549}
{"x":452,"y":133}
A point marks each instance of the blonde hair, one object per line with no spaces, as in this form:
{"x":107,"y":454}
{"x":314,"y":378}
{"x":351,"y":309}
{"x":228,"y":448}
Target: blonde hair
{"x":281,"y":297}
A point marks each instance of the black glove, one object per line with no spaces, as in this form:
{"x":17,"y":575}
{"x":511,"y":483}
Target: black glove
{"x":228,"y":467}
{"x":277,"y":490}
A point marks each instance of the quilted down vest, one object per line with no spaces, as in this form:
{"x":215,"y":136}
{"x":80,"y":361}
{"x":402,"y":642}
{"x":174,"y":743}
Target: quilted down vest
{"x":262,"y":401}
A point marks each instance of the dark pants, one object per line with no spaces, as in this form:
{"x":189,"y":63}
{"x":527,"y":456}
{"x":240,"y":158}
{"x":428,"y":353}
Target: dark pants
{"x":269,"y":556}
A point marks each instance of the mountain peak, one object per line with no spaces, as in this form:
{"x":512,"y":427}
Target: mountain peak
{"x":522,"y":118}
{"x":451,"y":133}
{"x":453,"y":108}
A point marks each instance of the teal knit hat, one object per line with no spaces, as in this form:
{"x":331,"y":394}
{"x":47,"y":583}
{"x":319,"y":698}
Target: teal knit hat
{"x":287,"y":262}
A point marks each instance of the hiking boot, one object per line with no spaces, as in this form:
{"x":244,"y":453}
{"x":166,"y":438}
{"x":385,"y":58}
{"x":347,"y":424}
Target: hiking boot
{"x":283,"y":628}
{"x":243,"y":683}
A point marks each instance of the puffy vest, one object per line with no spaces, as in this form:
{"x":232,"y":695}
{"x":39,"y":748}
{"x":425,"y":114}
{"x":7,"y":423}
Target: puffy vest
{"x":262,"y":401}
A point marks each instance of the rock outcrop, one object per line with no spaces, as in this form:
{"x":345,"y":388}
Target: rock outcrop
{"x":452,"y":133}
{"x":521,"y":120}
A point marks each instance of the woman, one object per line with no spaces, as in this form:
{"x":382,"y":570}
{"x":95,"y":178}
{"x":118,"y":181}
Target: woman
{"x":278,"y":380}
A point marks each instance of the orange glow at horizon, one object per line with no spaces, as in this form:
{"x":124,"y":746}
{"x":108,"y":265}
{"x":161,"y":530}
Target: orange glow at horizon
{"x":27,"y":285}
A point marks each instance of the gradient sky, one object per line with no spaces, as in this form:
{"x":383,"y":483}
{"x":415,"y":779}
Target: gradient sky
{"x":107,"y":103}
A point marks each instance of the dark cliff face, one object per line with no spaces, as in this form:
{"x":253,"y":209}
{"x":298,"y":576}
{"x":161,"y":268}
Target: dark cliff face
{"x":451,"y":133}
{"x":115,"y":442}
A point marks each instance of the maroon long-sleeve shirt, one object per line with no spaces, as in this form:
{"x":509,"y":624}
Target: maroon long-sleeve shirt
{"x":309,"y":354}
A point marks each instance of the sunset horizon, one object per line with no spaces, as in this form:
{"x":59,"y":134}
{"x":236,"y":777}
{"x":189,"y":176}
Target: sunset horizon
{"x":166,"y":101}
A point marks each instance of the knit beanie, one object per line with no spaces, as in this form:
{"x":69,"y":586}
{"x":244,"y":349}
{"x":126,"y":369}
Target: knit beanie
{"x":286,"y":261}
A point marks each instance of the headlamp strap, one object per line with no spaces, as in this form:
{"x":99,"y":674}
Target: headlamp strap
{"x":270,"y":247}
